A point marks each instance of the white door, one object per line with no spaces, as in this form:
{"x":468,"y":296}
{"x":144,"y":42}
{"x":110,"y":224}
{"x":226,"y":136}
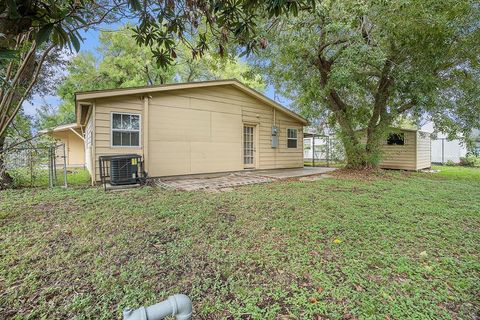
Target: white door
{"x":248,"y":147}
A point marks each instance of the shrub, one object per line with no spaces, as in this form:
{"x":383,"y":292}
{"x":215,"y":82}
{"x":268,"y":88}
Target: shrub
{"x":470,"y":161}
{"x":450,"y":163}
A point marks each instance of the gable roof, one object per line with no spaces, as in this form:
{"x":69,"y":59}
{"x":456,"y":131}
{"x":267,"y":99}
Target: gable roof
{"x":90,"y":95}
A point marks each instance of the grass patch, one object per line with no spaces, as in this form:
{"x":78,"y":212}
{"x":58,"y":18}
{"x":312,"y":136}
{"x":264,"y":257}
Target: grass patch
{"x":24,"y":177}
{"x":398,"y":246}
{"x":458,"y":172}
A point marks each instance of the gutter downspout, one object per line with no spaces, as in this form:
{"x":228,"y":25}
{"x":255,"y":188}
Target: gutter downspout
{"x":94,"y":144}
{"x":146,"y":120}
{"x":178,"y":305}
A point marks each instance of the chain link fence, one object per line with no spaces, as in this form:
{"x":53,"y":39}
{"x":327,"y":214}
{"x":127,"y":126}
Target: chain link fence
{"x":34,"y":164}
{"x":322,"y":150}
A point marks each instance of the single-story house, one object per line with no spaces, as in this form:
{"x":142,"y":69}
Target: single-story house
{"x":71,"y":136}
{"x":190,"y":128}
{"x":406,"y":149}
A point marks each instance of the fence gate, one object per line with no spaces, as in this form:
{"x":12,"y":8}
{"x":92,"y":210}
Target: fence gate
{"x":57,"y":160}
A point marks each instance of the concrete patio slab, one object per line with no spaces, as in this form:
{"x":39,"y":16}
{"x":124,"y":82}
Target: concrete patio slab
{"x":227,"y":181}
{"x":202,"y":183}
{"x":294,"y":173}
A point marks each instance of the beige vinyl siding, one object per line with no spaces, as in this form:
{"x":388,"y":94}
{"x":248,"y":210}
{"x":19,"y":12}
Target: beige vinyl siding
{"x":103,"y":109}
{"x":398,"y":156}
{"x":189,"y":135}
{"x":200,"y":130}
{"x":423,"y":151}
{"x":74,"y":149}
{"x":414,"y":155}
{"x":204,"y":128}
{"x":89,"y":144}
{"x":402,"y":157}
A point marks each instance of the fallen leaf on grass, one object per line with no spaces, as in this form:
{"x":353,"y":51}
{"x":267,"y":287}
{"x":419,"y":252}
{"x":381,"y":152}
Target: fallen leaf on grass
{"x":312,"y":300}
{"x":359,"y":288}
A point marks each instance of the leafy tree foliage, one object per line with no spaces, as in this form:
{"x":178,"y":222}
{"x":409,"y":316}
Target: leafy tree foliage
{"x":165,"y":24}
{"x":371,"y":64}
{"x":50,"y":116}
{"x":32,"y":33}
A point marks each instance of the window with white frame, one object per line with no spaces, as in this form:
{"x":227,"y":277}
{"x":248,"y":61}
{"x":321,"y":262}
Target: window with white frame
{"x":291,"y":138}
{"x":125,"y":130}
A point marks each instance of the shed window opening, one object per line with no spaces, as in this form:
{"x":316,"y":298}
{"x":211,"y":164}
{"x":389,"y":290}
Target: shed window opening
{"x":396,"y":139}
{"x":125,"y":130}
{"x":292,"y":138}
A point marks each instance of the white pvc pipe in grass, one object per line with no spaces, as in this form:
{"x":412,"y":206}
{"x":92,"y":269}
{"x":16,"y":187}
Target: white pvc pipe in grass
{"x":178,"y":305}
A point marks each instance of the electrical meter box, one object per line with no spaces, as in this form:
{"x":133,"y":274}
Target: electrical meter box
{"x":275,"y":137}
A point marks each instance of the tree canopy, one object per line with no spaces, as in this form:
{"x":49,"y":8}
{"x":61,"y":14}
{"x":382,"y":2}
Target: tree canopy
{"x":368,"y":64}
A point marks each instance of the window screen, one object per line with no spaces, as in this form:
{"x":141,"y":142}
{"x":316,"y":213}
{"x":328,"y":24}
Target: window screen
{"x":291,"y":138}
{"x":125,"y":130}
{"x":396,"y":139}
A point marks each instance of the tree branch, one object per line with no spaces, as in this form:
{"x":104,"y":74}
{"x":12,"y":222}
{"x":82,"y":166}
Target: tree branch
{"x":407,"y":106}
{"x":4,"y":124}
{"x":379,"y":114}
{"x":332,"y":43}
{"x":18,"y":74}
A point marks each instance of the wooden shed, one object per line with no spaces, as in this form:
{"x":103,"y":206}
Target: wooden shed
{"x":191,"y":128}
{"x":406,"y":149}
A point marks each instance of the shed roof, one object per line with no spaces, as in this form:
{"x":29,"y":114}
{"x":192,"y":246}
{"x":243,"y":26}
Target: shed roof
{"x":91,"y":95}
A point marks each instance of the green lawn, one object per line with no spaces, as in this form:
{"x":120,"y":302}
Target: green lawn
{"x":455,"y":172}
{"x":391,"y":246}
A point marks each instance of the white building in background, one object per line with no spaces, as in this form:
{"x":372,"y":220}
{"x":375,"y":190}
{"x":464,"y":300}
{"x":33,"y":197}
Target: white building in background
{"x":444,"y":149}
{"x":320,"y":147}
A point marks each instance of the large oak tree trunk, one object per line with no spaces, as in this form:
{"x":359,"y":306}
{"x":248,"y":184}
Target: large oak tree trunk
{"x":362,"y":148}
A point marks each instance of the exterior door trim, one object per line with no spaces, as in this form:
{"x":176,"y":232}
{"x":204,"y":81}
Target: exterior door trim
{"x":253,"y":141}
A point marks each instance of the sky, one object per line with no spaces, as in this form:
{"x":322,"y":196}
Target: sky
{"x":90,"y":44}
